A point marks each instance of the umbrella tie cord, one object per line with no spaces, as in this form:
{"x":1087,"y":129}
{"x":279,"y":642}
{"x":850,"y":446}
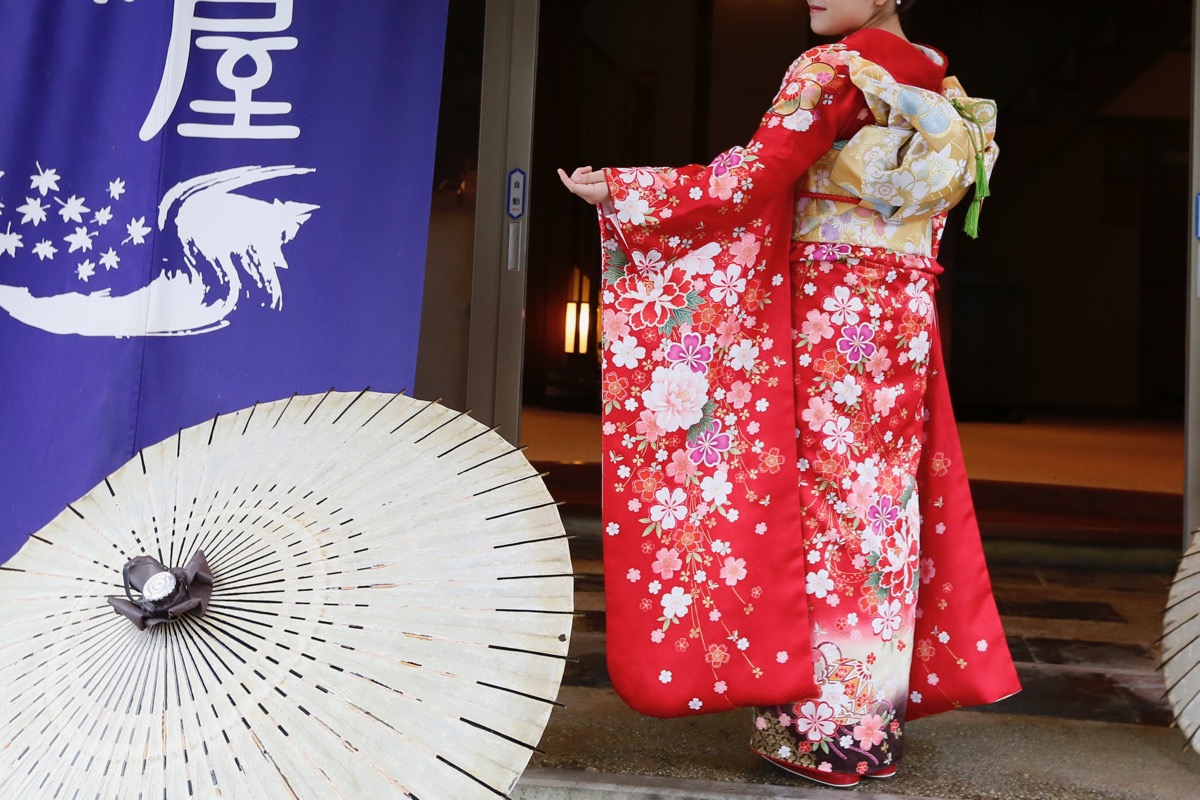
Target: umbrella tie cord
{"x":164,"y":593}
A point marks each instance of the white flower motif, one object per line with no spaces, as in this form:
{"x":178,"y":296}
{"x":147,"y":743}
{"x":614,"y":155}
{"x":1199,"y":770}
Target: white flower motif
{"x":716,"y":488}
{"x":838,"y":436}
{"x":675,"y":604}
{"x":721,"y":548}
{"x":743,"y":355}
{"x":727,"y":285}
{"x":843,"y":306}
{"x":781,"y":657}
{"x":918,"y":348}
{"x":719,"y":687}
{"x":800,"y":121}
{"x":665,"y":676}
{"x":695,"y":704}
{"x":654,"y":587}
{"x":670,"y":508}
{"x":888,"y":621}
{"x":819,"y":583}
{"x":632,"y":208}
{"x":626,"y":352}
{"x":944,"y":637}
{"x":743,"y":643}
{"x":648,"y":261}
{"x":919,"y":301}
{"x":847,"y":391}
{"x":699,"y":261}
{"x":915,"y":697}
{"x":816,"y":721}
{"x":677,"y":397}
{"x":981,"y":645}
{"x":634,"y":575}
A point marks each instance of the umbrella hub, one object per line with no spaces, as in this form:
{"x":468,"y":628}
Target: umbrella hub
{"x":163,"y":593}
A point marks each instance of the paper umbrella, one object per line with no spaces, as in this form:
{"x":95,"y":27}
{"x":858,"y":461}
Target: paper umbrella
{"x":1181,"y":645}
{"x":332,"y":596}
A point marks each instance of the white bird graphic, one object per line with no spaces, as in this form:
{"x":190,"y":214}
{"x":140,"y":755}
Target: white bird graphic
{"x":223,"y":237}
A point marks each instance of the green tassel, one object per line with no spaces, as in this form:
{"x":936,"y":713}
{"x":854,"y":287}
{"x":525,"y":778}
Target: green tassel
{"x":971,"y":226}
{"x":982,"y":188}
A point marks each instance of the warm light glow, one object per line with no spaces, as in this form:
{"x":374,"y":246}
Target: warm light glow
{"x":572,"y":327}
{"x":578,"y":327}
{"x":585,"y":321}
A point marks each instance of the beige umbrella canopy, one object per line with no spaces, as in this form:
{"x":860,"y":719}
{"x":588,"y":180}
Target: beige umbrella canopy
{"x":1181,"y":645}
{"x":388,"y":616}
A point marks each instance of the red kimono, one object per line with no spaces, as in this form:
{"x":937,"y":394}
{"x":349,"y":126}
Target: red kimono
{"x":787,"y":517}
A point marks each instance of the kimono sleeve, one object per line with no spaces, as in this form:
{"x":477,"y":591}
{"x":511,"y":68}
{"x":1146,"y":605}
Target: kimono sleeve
{"x":706,"y":601}
{"x":816,"y":104}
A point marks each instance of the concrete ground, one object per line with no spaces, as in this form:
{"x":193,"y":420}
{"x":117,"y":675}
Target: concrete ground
{"x":597,"y":749}
{"x":1083,"y":624}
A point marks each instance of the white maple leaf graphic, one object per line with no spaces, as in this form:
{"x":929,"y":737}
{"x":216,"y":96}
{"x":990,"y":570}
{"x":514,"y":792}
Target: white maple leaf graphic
{"x":85,"y":270}
{"x":73,"y":209}
{"x":45,"y":249}
{"x":45,"y":181}
{"x":103,"y":216}
{"x":81,"y":239}
{"x":33,"y":211}
{"x":110,"y":259}
{"x":116,"y":189}
{"x":9,"y":241}
{"x":137,"y":231}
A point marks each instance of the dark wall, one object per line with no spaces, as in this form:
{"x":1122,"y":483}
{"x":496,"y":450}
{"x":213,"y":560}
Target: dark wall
{"x":1071,"y":302}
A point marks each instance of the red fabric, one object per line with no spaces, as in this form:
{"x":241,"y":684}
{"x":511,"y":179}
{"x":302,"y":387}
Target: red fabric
{"x":705,"y":560}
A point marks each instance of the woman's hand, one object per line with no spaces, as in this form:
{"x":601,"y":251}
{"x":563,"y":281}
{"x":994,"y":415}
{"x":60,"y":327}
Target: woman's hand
{"x":587,"y":184}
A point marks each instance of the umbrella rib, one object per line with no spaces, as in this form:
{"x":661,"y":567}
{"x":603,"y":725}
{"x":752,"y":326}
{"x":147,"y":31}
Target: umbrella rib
{"x":1178,"y":651}
{"x":522,"y":510}
{"x":535,"y":611}
{"x":1171,"y":606}
{"x":504,"y":736}
{"x":391,"y":399}
{"x":520,"y":449}
{"x":283,"y":411}
{"x":1176,"y":627}
{"x":512,"y":483}
{"x":454,"y":418}
{"x":519,"y":693}
{"x":349,"y":406}
{"x":533,"y":577}
{"x":470,"y":775}
{"x":1186,"y":672}
{"x":507,"y":649}
{"x":532,"y":541}
{"x":416,"y":414}
{"x":467,"y":441}
{"x":317,"y":408}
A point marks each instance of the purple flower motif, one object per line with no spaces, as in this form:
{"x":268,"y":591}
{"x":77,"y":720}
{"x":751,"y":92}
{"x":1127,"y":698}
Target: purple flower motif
{"x":882,"y":514}
{"x":725,"y":162}
{"x":831,"y":252}
{"x":709,"y":445}
{"x":857,"y":342}
{"x":691,"y":352}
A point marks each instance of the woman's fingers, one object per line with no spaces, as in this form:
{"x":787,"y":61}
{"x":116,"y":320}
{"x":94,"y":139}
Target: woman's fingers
{"x":586,"y":184}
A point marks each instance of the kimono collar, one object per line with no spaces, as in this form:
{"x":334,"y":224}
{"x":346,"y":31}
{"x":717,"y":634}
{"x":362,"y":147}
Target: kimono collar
{"x":914,"y":64}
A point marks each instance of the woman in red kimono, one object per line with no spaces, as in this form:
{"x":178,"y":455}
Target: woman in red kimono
{"x":788,"y":523}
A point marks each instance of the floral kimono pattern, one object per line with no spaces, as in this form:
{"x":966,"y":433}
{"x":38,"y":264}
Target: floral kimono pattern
{"x":787,"y":518}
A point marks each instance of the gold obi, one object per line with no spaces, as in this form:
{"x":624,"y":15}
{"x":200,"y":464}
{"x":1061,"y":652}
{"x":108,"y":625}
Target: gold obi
{"x":892,"y":183}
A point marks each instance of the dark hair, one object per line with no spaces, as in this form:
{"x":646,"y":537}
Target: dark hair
{"x":905,"y":5}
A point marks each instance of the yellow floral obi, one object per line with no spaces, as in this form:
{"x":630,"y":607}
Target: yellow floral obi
{"x":888,"y":185}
